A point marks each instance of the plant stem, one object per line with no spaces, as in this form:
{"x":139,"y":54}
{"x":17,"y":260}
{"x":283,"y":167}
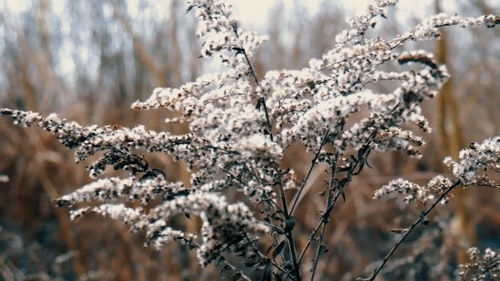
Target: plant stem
{"x":420,"y":219}
{"x":326,"y":216}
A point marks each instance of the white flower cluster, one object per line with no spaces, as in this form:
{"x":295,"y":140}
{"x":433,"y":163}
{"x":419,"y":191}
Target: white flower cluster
{"x":482,"y":267}
{"x":222,"y":35}
{"x":224,"y":226}
{"x":417,"y":193}
{"x":475,"y":160}
{"x":224,"y":229}
{"x":71,"y":134}
{"x":144,"y":189}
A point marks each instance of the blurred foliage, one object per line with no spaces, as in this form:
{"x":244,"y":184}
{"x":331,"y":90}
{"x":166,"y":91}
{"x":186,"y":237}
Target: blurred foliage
{"x":88,"y":60}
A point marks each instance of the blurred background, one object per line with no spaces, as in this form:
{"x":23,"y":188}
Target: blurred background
{"x":88,"y":60}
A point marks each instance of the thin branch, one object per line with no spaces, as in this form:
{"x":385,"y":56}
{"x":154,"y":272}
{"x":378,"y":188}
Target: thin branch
{"x":297,"y":197}
{"x":261,"y":102}
{"x":326,"y":217}
{"x":420,"y":219}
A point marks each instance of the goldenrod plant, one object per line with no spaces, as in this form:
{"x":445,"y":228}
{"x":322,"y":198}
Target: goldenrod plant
{"x":241,"y":124}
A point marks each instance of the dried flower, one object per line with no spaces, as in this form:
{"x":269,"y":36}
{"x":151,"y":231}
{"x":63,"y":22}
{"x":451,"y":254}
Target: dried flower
{"x":482,"y":267}
{"x":240,"y":127}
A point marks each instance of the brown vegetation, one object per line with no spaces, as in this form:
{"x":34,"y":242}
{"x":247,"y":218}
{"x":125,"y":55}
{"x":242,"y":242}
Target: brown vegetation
{"x":127,"y":57}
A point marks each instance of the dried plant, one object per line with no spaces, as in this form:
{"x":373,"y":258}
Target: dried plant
{"x":240,"y":126}
{"x":485,"y":267}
